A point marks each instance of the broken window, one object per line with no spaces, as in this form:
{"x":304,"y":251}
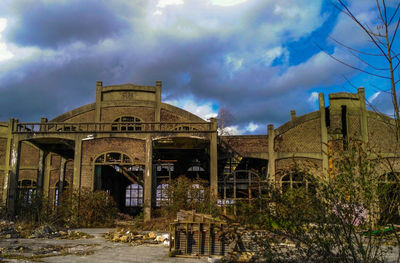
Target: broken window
{"x":134,"y":195}
{"x":162,"y":195}
{"x":26,"y":190}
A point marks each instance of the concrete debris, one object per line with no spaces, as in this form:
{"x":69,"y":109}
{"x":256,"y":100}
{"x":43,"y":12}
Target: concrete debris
{"x":7,"y":230}
{"x":136,"y":238}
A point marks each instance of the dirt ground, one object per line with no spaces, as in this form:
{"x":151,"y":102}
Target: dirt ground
{"x":97,"y":249}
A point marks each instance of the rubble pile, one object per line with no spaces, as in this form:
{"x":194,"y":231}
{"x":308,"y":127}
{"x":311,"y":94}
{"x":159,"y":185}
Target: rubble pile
{"x":136,"y":238}
{"x":9,"y":229}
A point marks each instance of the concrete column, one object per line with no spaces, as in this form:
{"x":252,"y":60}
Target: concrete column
{"x":324,"y":135}
{"x":13,"y":176}
{"x":157,"y":115}
{"x":76,"y":184}
{"x":271,"y":153}
{"x":99,"y":87}
{"x":292,"y":115}
{"x":46,"y":179}
{"x":40,"y":171}
{"x":7,"y":163}
{"x":214,"y":159}
{"x":364,"y":124}
{"x":148,"y":179}
{"x":43,"y":128}
{"x":61,"y":178}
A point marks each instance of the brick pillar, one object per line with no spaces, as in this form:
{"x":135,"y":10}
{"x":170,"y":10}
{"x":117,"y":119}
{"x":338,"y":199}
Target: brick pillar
{"x":40,"y":170}
{"x":76,"y":184}
{"x":271,"y":153}
{"x":214,"y":160}
{"x":46,"y":179}
{"x":99,"y":87}
{"x":148,"y":179}
{"x":324,"y":135}
{"x":7,"y":163}
{"x":61,"y":178}
{"x":13,"y":172}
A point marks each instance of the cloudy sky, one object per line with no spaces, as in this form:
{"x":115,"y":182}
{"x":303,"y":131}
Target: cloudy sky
{"x":256,"y":58}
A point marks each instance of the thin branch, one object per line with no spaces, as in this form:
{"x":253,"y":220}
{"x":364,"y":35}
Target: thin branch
{"x":398,"y":54}
{"x":368,"y":64}
{"x":394,"y":14}
{"x":356,"y":50}
{"x":398,"y":63}
{"x":350,"y":66}
{"x":385,"y":11}
{"x":394,"y":34}
{"x":380,"y":11}
{"x":381,"y":90}
{"x":365,"y":30}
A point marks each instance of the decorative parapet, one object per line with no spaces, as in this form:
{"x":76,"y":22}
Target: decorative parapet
{"x":112,"y":127}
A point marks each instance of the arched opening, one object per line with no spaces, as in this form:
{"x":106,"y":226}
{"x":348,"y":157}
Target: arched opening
{"x":119,"y":176}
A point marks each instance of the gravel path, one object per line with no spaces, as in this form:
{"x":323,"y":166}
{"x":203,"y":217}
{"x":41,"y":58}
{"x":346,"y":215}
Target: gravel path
{"x":96,"y":249}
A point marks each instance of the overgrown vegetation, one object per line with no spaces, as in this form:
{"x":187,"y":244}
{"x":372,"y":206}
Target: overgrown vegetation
{"x":188,"y":194}
{"x":82,"y":208}
{"x":339,"y":219}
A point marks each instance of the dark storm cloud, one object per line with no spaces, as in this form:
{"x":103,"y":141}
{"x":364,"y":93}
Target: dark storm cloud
{"x":223,"y":65}
{"x":54,"y":24}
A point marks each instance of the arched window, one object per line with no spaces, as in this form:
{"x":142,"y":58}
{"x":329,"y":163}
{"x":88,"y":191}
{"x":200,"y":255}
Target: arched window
{"x":26,"y":190}
{"x":56,"y":192}
{"x":127,"y":123}
{"x":162,"y":195}
{"x":134,"y":195}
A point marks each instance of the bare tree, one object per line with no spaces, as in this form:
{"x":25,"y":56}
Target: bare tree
{"x":224,"y":120}
{"x":382,"y":37}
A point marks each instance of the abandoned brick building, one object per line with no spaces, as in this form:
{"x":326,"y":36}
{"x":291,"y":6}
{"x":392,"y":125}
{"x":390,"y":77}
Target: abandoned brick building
{"x":131,"y":144}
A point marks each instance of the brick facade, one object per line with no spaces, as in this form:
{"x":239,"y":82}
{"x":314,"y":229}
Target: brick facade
{"x":304,"y":140}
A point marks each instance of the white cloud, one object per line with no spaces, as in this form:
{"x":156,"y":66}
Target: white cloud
{"x":164,"y":3}
{"x":313,"y":97}
{"x":273,"y":53}
{"x":157,"y":12}
{"x":227,"y":2}
{"x":251,"y":127}
{"x":203,"y":110}
{"x":5,"y":53}
{"x":374,"y":96}
{"x":233,"y":62}
{"x":233,"y":130}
